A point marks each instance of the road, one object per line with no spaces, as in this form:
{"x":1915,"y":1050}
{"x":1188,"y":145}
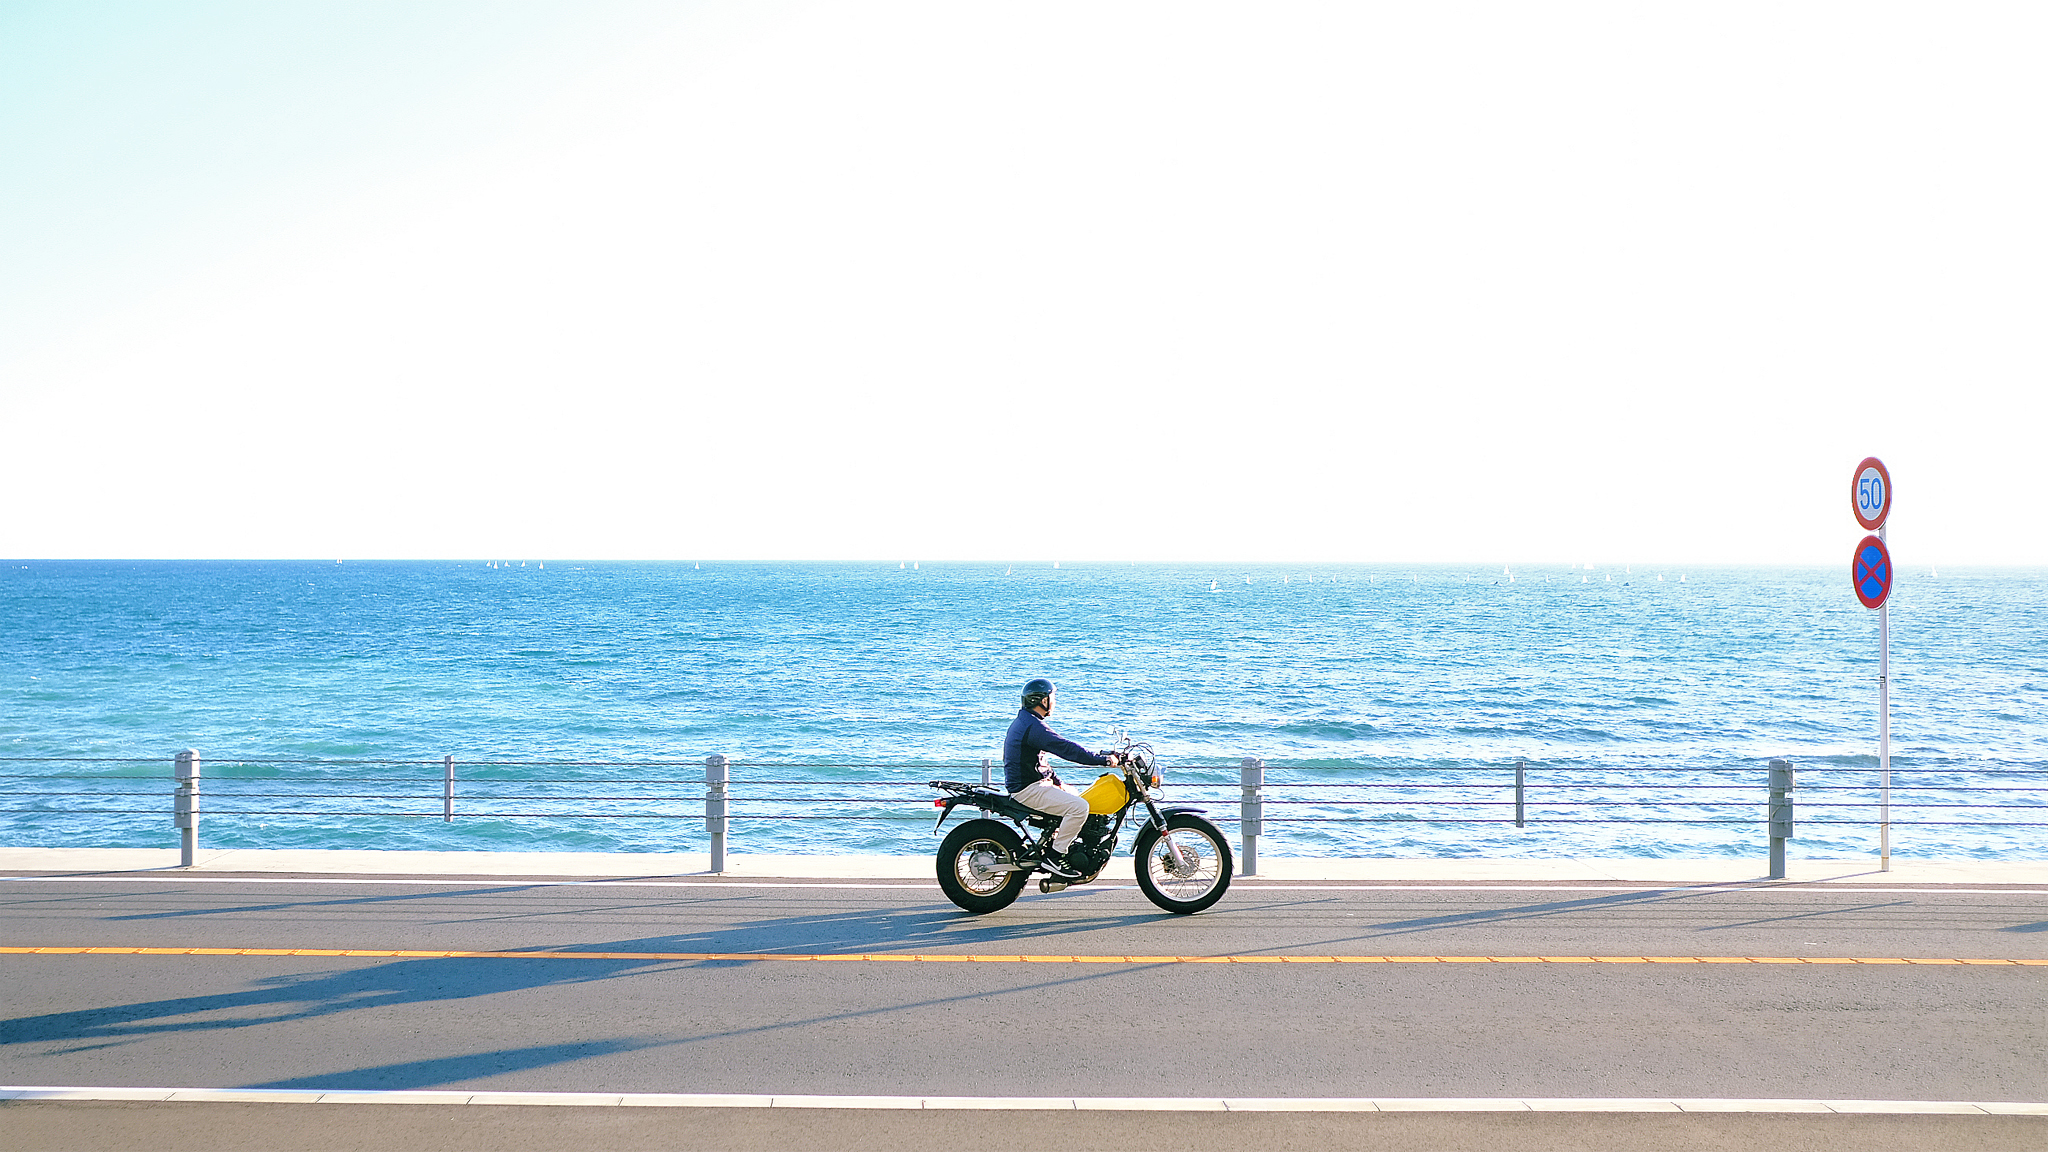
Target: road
{"x":1047,"y":1026}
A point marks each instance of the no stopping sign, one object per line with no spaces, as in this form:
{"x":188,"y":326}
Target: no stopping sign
{"x":1870,"y":570}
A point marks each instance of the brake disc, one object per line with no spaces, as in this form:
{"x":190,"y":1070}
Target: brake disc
{"x":1183,"y":863}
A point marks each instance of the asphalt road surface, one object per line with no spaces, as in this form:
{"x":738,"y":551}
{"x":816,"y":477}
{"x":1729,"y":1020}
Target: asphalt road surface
{"x":1047,"y":1026}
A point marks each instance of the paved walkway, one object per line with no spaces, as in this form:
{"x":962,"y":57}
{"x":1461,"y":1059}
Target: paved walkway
{"x":1277,"y":868}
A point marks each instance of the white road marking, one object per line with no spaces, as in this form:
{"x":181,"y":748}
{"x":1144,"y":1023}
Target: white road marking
{"x":1079,"y":1103}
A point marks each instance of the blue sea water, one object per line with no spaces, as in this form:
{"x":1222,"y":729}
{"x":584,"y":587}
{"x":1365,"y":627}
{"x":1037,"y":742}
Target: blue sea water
{"x":1632,"y":694}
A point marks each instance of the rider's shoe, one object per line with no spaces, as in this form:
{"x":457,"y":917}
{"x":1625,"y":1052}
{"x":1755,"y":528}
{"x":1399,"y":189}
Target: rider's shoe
{"x":1056,"y":864}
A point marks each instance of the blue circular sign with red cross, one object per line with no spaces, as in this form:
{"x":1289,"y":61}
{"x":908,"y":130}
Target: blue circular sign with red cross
{"x":1871,"y":572}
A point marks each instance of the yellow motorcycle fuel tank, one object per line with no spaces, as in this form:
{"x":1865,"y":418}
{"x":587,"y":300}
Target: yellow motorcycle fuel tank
{"x":1107,"y":795}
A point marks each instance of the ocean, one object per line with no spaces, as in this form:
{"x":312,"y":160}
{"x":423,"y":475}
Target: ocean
{"x":1642,"y":701}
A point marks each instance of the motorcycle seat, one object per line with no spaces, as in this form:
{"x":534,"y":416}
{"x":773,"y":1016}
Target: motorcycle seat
{"x":996,"y":803}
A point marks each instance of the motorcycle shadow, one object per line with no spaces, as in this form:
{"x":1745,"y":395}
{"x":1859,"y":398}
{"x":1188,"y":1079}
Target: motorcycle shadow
{"x":930,"y":928}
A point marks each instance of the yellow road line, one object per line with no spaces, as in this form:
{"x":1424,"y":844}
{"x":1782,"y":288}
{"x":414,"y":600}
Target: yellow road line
{"x":973,"y":958}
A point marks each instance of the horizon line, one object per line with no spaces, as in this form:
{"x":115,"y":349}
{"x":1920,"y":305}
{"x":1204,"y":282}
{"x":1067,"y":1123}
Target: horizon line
{"x":1595,"y":564}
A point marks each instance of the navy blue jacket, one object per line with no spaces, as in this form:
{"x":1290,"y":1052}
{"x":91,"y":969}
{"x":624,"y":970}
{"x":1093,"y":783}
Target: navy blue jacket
{"x":1025,"y":746}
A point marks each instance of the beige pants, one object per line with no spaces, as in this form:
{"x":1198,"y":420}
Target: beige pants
{"x":1055,"y":800}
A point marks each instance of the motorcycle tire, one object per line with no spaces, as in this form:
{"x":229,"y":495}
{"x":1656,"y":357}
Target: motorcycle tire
{"x":965,"y":857}
{"x":1191,"y":887}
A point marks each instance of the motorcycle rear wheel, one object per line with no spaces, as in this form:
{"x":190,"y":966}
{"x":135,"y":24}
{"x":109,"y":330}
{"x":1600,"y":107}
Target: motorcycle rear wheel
{"x":968,"y":859}
{"x":1191,"y":886}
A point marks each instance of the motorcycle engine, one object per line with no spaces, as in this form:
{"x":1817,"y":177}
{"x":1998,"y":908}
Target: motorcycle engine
{"x":1087,"y":858}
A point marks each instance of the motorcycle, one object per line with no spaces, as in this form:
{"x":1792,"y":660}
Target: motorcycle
{"x":1183,"y":863}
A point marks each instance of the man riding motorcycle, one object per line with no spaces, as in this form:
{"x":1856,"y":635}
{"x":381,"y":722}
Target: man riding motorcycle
{"x":1031,"y":781}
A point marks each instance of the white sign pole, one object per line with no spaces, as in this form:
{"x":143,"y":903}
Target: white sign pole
{"x":1884,"y":724}
{"x":1871,"y":499}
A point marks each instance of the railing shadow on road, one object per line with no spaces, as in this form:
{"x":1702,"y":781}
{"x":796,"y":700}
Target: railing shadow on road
{"x":399,"y":985}
{"x":337,"y":986}
{"x":404,"y":985}
{"x":931,"y":927}
{"x":456,"y":1070}
{"x":340,"y":902}
{"x":467,"y":1068}
{"x":931,"y":923}
{"x":1539,"y":911}
{"x":300,"y":997}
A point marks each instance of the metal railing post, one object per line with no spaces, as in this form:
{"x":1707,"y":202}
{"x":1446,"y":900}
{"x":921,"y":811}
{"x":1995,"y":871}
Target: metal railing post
{"x":1251,"y":777}
{"x":1782,"y":783}
{"x":1521,"y":789}
{"x":717,"y":773}
{"x":447,"y":789}
{"x":986,"y":780}
{"x":185,"y":806}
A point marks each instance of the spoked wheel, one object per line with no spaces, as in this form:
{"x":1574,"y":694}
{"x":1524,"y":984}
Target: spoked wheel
{"x":1191,"y":880}
{"x":974,"y":863}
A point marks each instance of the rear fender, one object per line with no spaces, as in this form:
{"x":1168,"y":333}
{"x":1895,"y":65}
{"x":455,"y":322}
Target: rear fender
{"x":990,"y":804}
{"x":950,"y":803}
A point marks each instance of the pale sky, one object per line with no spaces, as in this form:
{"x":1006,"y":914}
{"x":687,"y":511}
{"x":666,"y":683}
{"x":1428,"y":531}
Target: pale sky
{"x":1501,"y":282}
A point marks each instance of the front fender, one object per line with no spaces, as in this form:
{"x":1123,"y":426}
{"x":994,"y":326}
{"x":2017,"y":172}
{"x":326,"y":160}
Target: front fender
{"x":1167,"y":811}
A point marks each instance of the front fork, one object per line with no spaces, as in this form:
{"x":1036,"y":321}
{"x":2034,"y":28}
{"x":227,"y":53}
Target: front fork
{"x":1181,"y":860}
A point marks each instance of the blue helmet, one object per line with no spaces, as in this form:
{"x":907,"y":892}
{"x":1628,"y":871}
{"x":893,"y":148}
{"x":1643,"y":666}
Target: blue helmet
{"x":1036,"y":690}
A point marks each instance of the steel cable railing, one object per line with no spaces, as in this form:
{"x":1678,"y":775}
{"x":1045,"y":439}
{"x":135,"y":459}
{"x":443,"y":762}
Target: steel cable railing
{"x":1268,"y":799}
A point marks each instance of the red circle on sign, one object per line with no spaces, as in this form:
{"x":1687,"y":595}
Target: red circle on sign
{"x":1870,"y":571}
{"x":1870,"y":506}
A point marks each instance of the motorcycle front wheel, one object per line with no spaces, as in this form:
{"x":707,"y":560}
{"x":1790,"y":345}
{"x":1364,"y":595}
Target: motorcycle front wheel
{"x":1198,"y":878}
{"x":973,"y":866}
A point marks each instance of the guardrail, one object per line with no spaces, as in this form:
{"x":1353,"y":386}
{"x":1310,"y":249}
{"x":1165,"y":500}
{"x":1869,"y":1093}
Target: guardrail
{"x":1265,"y":796}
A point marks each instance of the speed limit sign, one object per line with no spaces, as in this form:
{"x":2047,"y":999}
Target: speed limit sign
{"x":1870,"y":495}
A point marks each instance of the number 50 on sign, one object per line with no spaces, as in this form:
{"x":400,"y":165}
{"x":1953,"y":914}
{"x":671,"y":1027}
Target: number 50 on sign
{"x":1871,"y":494}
